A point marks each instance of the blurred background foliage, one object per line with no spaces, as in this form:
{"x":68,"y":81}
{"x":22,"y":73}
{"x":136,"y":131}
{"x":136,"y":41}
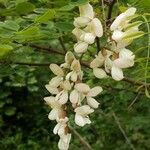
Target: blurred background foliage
{"x":121,"y":123}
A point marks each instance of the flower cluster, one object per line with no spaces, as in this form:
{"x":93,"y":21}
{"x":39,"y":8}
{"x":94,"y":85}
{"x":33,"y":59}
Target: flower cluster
{"x":119,"y":57}
{"x":69,"y":91}
{"x":87,"y":28}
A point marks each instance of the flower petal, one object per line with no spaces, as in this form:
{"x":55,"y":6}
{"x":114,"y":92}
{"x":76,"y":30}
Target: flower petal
{"x":99,"y":73}
{"x":82,"y":87}
{"x":79,"y":120}
{"x":95,"y":91}
{"x":56,"y":70}
{"x":51,"y":89}
{"x":88,"y":38}
{"x":86,"y":11}
{"x":80,"y":47}
{"x":81,"y":21}
{"x":63,"y":97}
{"x":117,"y":73}
{"x":54,"y":114}
{"x":92,"y":102}
{"x":74,"y":96}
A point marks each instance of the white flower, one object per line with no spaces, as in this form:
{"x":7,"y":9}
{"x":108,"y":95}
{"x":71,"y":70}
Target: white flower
{"x":56,"y":108}
{"x":125,"y":60}
{"x":81,"y":116}
{"x":95,"y":27}
{"x":122,"y":20}
{"x":64,"y":141}
{"x":62,"y":96}
{"x":76,"y":72}
{"x":83,"y":91}
{"x":80,"y":47}
{"x":60,"y":127}
{"x":86,"y":11}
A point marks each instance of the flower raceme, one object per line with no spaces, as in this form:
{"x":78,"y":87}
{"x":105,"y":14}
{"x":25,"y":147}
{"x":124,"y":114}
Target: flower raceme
{"x":67,"y":87}
{"x":87,"y":28}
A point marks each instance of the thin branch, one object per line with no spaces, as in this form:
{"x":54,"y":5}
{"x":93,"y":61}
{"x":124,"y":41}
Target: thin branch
{"x":110,"y":9}
{"x":50,"y":50}
{"x":62,"y":44}
{"x":122,"y":130}
{"x":85,"y":143}
{"x":98,"y":44}
{"x":135,"y":99}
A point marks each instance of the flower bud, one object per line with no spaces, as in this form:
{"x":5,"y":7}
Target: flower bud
{"x":80,"y":47}
{"x":88,"y":38}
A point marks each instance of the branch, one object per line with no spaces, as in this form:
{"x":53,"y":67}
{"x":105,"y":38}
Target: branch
{"x":50,"y":50}
{"x":122,"y":130}
{"x":62,"y":44}
{"x":85,"y":143}
{"x":110,"y":9}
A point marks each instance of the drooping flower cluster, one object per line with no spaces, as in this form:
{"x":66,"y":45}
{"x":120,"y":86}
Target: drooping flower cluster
{"x":67,"y":90}
{"x":119,"y":57}
{"x":87,"y":28}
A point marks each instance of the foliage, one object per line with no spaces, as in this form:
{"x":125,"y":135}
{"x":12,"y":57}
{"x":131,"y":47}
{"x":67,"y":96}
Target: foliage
{"x":24,"y":72}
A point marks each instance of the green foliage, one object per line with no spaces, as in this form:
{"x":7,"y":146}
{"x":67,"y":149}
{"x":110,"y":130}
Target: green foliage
{"x":23,"y":114}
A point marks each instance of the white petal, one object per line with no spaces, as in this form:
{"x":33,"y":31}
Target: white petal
{"x":51,"y":89}
{"x":88,"y":38}
{"x":79,"y":120}
{"x":69,"y":57}
{"x":99,"y":73}
{"x":74,"y":96}
{"x":96,"y":27}
{"x":115,"y":25}
{"x":55,"y":82}
{"x":97,"y":62}
{"x":49,"y":100}
{"x":81,"y":21}
{"x":75,"y":66}
{"x":86,"y":11}
{"x":56,"y":128}
{"x":66,"y":85}
{"x":117,"y":35}
{"x":92,"y":102}
{"x":54,"y":114}
{"x":131,"y":11}
{"x":117,"y":73}
{"x":63,"y":98}
{"x":82,"y":87}
{"x":74,"y":77}
{"x":108,"y":65}
{"x":95,"y":91}
{"x":80,"y":47}
{"x":56,"y":70}
{"x":78,"y":32}
{"x":84,"y":110}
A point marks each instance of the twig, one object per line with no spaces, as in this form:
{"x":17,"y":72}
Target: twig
{"x":98,"y":44}
{"x":85,"y":143}
{"x":122,"y":130}
{"x":62,"y":44}
{"x":110,"y":9}
{"x":136,"y":97}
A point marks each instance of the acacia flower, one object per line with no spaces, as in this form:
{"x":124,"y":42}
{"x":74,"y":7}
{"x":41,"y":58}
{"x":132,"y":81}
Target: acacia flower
{"x":56,"y":107}
{"x":81,"y":116}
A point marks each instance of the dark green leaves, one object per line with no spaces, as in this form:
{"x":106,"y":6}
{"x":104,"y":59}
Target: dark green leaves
{"x":24,"y":8}
{"x":4,"y":49}
{"x":49,"y":14}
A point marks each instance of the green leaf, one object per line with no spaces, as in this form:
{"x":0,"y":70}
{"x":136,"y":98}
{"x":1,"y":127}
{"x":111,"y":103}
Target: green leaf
{"x":50,"y":14}
{"x":134,"y":35}
{"x":72,"y":5}
{"x":9,"y":111}
{"x":25,"y":8}
{"x":4,"y":49}
{"x":29,"y":31}
{"x":10,"y":25}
